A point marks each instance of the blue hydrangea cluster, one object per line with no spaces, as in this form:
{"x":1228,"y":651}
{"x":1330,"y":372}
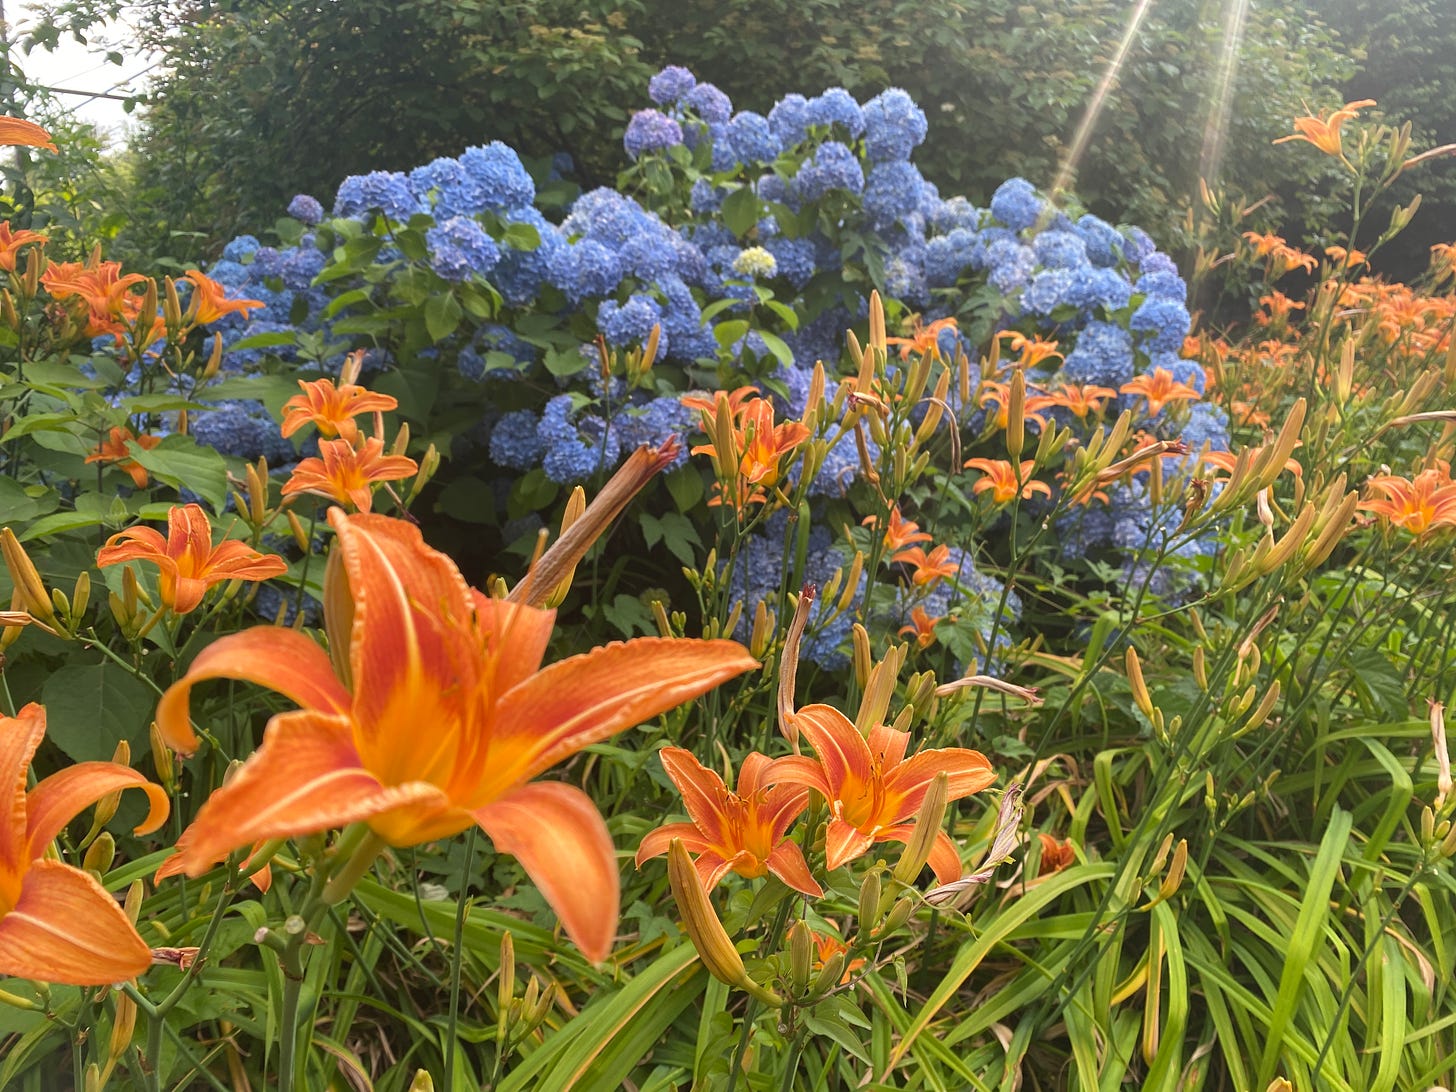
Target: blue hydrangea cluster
{"x":651,"y":131}
{"x":460,"y":249}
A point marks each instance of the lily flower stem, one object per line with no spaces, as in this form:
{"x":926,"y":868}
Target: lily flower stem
{"x":224,"y":899}
{"x":151,"y":1074}
{"x":456,"y":959}
{"x":308,"y":557}
{"x":771,"y":941}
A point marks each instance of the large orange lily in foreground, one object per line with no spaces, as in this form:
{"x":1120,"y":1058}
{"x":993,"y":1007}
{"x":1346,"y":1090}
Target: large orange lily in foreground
{"x":432,"y":713}
{"x":57,"y":923}
{"x":743,"y":832}
{"x":874,"y":792}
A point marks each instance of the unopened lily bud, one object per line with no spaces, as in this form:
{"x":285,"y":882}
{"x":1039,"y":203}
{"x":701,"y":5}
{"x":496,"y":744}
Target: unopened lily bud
{"x":762,"y":632}
{"x":920,"y":690}
{"x":401,"y":439}
{"x":1174,"y":879}
{"x":1200,"y":668}
{"x":868,"y":914}
{"x":429,"y":467}
{"x":62,"y":607}
{"x":829,"y":975}
{"x":100,"y":855}
{"x":851,"y":582}
{"x":899,"y":914}
{"x":801,"y":956}
{"x":725,"y":441}
{"x":8,"y":314}
{"x":1140,"y":695}
{"x":131,"y":905}
{"x":789,"y":665}
{"x":715,"y":948}
{"x":214,"y":359}
{"x":1442,"y":753}
{"x":1261,"y":714}
{"x":1016,"y":416}
{"x":91,"y":1079}
{"x":860,"y":642}
{"x":927,"y":828}
{"x":506,"y":988}
{"x":575,"y":506}
{"x":1279,"y":1084}
{"x":80,"y":597}
{"x":659,"y":616}
{"x":162,"y":760}
{"x":26,"y":578}
{"x":171,"y":304}
{"x":422,"y":1082}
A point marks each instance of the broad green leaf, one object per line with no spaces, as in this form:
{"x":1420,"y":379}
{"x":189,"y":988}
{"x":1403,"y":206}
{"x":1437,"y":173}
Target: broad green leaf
{"x":180,"y":461}
{"x":90,"y":708}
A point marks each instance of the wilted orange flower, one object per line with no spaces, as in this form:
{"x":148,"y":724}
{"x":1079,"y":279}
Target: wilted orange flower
{"x":343,"y":473}
{"x":1419,"y":504}
{"x":999,"y":478}
{"x":928,"y":567}
{"x":189,"y":562}
{"x":57,"y":923}
{"x":211,"y":301}
{"x":12,"y":241}
{"x":873,"y":791}
{"x":332,"y":409}
{"x":431,"y":713}
{"x":1081,"y":399}
{"x":922,"y":627}
{"x":743,"y":831}
{"x":1159,"y":389}
{"x":114,"y":450}
{"x":900,"y":532}
{"x":1324,"y":132}
{"x":1055,"y":855}
{"x":19,"y":132}
{"x":923,"y":338}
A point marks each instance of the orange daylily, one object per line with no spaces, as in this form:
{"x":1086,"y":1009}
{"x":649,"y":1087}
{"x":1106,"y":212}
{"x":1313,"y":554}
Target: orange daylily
{"x":113,"y":449}
{"x":764,"y":445}
{"x":1000,"y":394}
{"x":1324,"y":132}
{"x":1055,"y":855}
{"x":1343,"y":256}
{"x":210,"y":300}
{"x":1081,"y":398}
{"x":1416,"y":504}
{"x":114,"y":308}
{"x":189,"y":562}
{"x":921,"y":627}
{"x":923,"y":338}
{"x":873,"y":791}
{"x":18,"y":131}
{"x":759,"y":446}
{"x":57,"y":923}
{"x":742,"y":831}
{"x":12,"y":241}
{"x":999,"y":477}
{"x":1159,"y":389}
{"x":431,"y":713}
{"x":928,"y":568}
{"x":826,"y":947}
{"x":1030,"y":351}
{"x":347,"y":474}
{"x":900,"y":532}
{"x":332,"y":409}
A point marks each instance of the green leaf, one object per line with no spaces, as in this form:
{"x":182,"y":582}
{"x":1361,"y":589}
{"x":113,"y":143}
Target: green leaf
{"x":522,"y":237}
{"x":469,"y":500}
{"x":740,"y":211}
{"x":18,"y":506}
{"x":778,"y":347}
{"x":90,"y":708}
{"x":40,"y":422}
{"x":729,"y":333}
{"x":686,"y":486}
{"x":181,"y":461}
{"x":442,"y":315}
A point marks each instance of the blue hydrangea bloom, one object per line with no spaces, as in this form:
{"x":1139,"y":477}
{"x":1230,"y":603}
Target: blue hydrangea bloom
{"x":838,"y":107}
{"x":514,"y":442}
{"x":947,"y":257}
{"x":387,"y":191}
{"x":1094,"y":287}
{"x":789,"y":120}
{"x":670,"y":85}
{"x":503,"y":180}
{"x":1163,"y":322}
{"x":833,"y":167}
{"x":1103,"y":241}
{"x":1017,"y":204}
{"x":1060,"y":249}
{"x":894,"y":125}
{"x":892,"y":192}
{"x":1157,"y":262}
{"x":238,"y":249}
{"x":652,"y":423}
{"x":301,"y":266}
{"x":494,"y":338}
{"x":452,"y":189}
{"x":575,"y":449}
{"x":709,"y":103}
{"x":1164,"y":285}
{"x":584,"y":270}
{"x":306,"y":209}
{"x":1010,"y":263}
{"x":794,"y":257}
{"x":1103,"y":356}
{"x":521,"y":273}
{"x":651,"y":131}
{"x":705,"y":197}
{"x":460,"y":249}
{"x":751,"y":138}
{"x":905,"y":280}
{"x":1206,"y":424}
{"x":1138,"y":244}
{"x":628,"y":323}
{"x":243,"y":429}
{"x":1048,"y":290}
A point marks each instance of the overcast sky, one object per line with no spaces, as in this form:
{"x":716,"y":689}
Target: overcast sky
{"x":76,"y":68}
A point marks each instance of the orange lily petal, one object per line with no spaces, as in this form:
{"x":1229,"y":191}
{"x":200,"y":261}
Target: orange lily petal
{"x":19,"y":738}
{"x":802,"y":770}
{"x":702,"y":791}
{"x":969,"y":771}
{"x":558,"y":835}
{"x":843,"y":843}
{"x":18,"y":131}
{"x":63,"y":795}
{"x":515,"y":638}
{"x":788,"y":864}
{"x":305,"y":777}
{"x":840,"y":748}
{"x":657,"y":842}
{"x":945,"y":859}
{"x":281,"y":659}
{"x":575,"y":702}
{"x":67,"y":928}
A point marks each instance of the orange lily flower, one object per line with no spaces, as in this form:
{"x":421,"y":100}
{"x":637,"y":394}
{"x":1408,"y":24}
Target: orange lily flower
{"x":1159,"y":389}
{"x":928,"y":567}
{"x":332,"y":409}
{"x":211,"y":301}
{"x":923,"y":339}
{"x":1343,"y":256}
{"x":999,"y":477}
{"x":742,"y":831}
{"x":19,"y":132}
{"x":873,"y":791}
{"x":826,"y":947}
{"x":922,"y":627}
{"x":1055,"y":855}
{"x":1417,"y":504}
{"x":900,"y":532}
{"x":1000,"y":394}
{"x":764,"y":444}
{"x":1082,"y":399}
{"x":57,"y":923}
{"x":708,"y":404}
{"x":346,"y":474}
{"x":113,"y":307}
{"x":431,"y":713}
{"x":189,"y":562}
{"x":1324,"y":132}
{"x":12,"y":241}
{"x":1031,"y":351}
{"x":114,"y":450}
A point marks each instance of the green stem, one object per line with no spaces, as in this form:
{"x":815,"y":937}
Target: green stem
{"x":456,"y":961}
